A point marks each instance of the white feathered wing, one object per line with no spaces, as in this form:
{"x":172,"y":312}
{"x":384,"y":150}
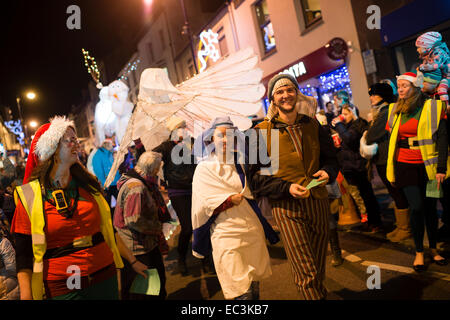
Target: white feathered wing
{"x":231,"y":87}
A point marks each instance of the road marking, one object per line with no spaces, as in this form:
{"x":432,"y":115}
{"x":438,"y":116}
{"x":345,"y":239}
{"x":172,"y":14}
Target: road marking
{"x":351,"y":257}
{"x":387,"y":266}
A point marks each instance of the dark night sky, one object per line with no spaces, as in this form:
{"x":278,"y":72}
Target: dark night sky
{"x":39,"y":52}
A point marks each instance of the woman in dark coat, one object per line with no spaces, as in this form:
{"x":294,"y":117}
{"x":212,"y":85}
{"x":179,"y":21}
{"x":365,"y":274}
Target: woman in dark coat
{"x":353,"y":166}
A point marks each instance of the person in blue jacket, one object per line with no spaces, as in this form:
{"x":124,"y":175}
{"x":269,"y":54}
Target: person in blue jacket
{"x":102,"y":163}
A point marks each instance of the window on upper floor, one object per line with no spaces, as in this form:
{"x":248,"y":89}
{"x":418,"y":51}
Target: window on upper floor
{"x":265,"y":26}
{"x":311,"y":11}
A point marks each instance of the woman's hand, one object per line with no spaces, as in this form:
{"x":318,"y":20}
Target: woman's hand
{"x":237,"y":199}
{"x":335,"y":121}
{"x":440,"y":179}
{"x":298,"y":191}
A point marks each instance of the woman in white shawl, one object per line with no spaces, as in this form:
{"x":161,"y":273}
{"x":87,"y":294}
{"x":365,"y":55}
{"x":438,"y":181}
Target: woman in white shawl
{"x":226,"y":219}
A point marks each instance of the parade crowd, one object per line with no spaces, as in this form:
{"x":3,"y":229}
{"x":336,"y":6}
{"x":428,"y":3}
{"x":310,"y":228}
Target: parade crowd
{"x":55,"y":212}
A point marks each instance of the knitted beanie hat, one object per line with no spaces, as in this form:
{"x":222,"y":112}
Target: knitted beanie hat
{"x":428,"y":39}
{"x":415,"y":77}
{"x":45,"y":142}
{"x":278,"y":81}
{"x":342,"y":94}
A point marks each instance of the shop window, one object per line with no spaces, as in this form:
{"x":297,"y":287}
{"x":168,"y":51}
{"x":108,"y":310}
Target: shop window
{"x":311,"y":12}
{"x":265,"y":26}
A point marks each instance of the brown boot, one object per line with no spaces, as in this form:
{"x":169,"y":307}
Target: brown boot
{"x":403,"y":224}
{"x":394,"y":232}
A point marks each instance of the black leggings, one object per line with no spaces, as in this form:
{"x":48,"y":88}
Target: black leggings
{"x":182,"y":206}
{"x":423,"y":212}
{"x":397,"y":194}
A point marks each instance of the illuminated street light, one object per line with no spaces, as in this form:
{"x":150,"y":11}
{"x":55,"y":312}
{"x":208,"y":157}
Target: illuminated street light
{"x":31,"y":95}
{"x":33,"y":124}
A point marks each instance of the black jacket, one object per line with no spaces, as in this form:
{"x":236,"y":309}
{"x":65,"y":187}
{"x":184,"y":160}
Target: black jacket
{"x":177,"y":176}
{"x":348,"y":156}
{"x":377,"y":133}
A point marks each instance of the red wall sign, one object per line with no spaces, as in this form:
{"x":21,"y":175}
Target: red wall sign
{"x":315,"y":64}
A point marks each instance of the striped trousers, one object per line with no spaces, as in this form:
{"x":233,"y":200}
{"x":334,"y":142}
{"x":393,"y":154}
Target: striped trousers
{"x":303,"y":224}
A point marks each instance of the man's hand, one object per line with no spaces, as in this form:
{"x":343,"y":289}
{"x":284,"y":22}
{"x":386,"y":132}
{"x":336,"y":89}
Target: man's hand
{"x":440,"y":179}
{"x":237,"y":199}
{"x":298,"y":191}
{"x":139,"y":268}
{"x":322,"y":175}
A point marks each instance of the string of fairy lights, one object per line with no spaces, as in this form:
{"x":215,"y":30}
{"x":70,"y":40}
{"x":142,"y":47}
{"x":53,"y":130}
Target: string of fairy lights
{"x":132,"y":66}
{"x":91,"y":65}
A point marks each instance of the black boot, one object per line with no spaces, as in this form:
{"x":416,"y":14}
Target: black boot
{"x":335,"y":248}
{"x":182,"y":267}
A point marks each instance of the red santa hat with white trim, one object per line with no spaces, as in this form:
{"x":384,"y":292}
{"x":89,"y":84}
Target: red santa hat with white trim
{"x":415,"y":77}
{"x":45,"y":142}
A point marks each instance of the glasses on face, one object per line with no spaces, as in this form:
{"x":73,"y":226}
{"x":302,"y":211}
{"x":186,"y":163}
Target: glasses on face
{"x":72,"y":141}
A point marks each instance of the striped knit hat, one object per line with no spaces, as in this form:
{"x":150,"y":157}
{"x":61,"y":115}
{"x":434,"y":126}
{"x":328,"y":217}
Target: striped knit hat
{"x":428,"y":40}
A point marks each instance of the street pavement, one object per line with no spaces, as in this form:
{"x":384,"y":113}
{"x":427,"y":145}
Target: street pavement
{"x":350,"y":281}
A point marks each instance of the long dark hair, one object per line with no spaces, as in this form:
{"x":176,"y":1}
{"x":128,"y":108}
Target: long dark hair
{"x":410,"y":104}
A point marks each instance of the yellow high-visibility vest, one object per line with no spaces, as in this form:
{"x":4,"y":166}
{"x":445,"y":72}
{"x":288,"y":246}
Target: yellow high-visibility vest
{"x":428,"y":125}
{"x":31,"y":197}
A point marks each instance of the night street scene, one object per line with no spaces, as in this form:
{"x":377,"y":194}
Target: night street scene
{"x":198,"y":153}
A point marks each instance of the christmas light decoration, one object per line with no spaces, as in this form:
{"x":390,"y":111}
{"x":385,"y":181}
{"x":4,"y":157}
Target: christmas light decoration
{"x":16,"y":128}
{"x":335,"y":81}
{"x":129,"y":68}
{"x":207,"y":40}
{"x":92,"y":68}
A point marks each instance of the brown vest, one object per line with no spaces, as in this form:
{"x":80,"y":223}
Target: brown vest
{"x":292,"y":167}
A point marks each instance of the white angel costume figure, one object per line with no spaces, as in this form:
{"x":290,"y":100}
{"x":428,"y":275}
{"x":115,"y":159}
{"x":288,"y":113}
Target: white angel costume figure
{"x":120,"y":106}
{"x":104,"y":118}
{"x":232,"y":87}
{"x":112,"y":112}
{"x":227,"y":220}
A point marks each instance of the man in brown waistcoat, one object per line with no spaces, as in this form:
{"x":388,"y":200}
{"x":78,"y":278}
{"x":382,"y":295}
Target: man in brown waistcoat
{"x":305,"y":152}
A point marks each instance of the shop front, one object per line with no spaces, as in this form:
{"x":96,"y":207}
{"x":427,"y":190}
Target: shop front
{"x":320,"y":73}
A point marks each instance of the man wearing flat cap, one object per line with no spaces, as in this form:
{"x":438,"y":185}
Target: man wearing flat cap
{"x":305,"y":153}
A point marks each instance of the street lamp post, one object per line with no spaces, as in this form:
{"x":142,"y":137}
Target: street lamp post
{"x":187,"y":31}
{"x":31,"y":96}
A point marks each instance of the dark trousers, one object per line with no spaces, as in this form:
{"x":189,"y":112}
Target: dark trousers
{"x":445,"y":202}
{"x":152,"y":259}
{"x":396,"y":193}
{"x":182,"y":206}
{"x":423,"y":212}
{"x":111,"y":191}
{"x":361,"y":181}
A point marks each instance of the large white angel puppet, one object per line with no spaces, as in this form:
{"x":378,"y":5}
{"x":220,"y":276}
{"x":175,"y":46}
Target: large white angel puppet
{"x":232,"y":87}
{"x":112,"y":112}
